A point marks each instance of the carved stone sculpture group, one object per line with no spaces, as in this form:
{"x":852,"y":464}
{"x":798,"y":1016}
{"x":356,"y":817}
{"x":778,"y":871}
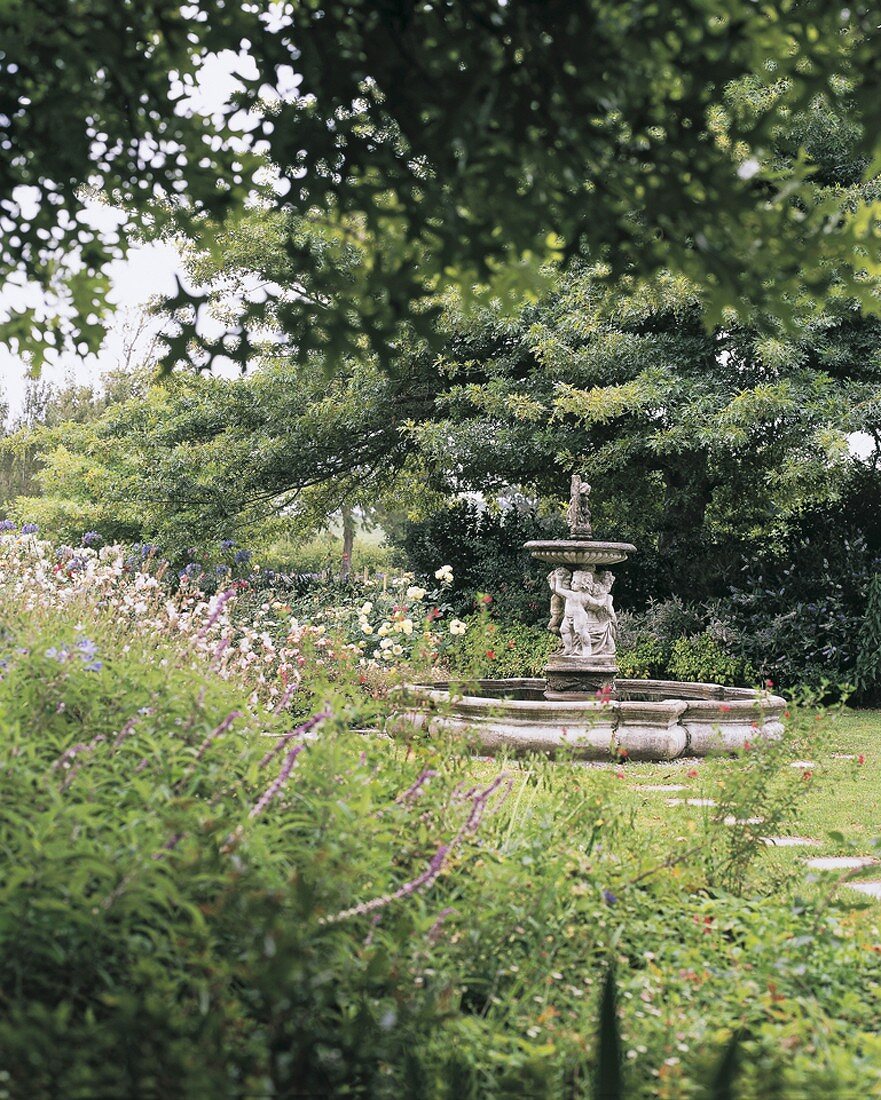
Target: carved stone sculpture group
{"x":582,"y":613}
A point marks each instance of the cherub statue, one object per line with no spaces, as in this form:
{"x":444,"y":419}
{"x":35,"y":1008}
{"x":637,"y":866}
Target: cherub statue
{"x":603,"y":620}
{"x":573,"y":620}
{"x":578,"y":514}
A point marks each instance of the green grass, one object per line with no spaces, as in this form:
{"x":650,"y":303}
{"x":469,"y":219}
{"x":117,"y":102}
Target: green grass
{"x":838,"y":796}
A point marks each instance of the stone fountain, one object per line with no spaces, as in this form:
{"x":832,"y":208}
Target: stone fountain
{"x":581,"y":706}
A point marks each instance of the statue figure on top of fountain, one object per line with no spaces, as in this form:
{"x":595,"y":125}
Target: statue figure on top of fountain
{"x":582,"y":612}
{"x":578,"y":514}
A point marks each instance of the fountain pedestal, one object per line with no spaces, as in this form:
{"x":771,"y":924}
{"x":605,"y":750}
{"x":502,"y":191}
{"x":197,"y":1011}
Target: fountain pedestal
{"x":579,"y":677}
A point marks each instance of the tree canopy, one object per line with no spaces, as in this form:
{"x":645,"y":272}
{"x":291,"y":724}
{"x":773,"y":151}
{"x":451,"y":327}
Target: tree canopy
{"x":433,"y":144}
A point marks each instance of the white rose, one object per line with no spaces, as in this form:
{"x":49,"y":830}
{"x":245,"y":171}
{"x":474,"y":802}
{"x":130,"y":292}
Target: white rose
{"x":457,"y":626}
{"x":414,"y":592}
{"x":407,"y":626}
{"x":366,"y":608}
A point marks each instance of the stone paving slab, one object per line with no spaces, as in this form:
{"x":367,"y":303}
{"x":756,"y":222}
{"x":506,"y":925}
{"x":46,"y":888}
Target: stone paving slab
{"x":873,"y":889}
{"x":659,"y":787}
{"x":802,"y":764}
{"x":788,"y":841}
{"x":690,"y":802}
{"x":732,"y":820}
{"x":840,"y":863}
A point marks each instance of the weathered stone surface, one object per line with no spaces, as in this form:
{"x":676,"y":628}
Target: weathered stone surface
{"x":583,"y":676}
{"x":514,"y":714}
{"x":873,"y":889}
{"x":789,"y":841}
{"x":840,"y":863}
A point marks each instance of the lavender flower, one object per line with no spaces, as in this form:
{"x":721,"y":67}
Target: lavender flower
{"x":274,"y":788}
{"x":242,"y":557}
{"x":286,"y":738}
{"x":413,"y":791}
{"x":91,"y":538}
{"x":126,"y":731}
{"x":6,"y":525}
{"x":427,"y":877}
{"x":227,"y":544}
{"x":219,"y":603}
{"x":218,"y":731}
{"x":168,"y":846}
{"x":434,"y":933}
{"x":609,"y":898}
{"x":285,"y":697}
{"x":30,"y":528}
{"x":434,"y":868}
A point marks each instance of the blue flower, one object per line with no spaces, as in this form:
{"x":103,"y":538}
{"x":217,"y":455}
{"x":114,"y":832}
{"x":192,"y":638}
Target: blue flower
{"x":6,"y":525}
{"x":90,"y":538}
{"x":147,"y":549}
{"x":227,"y":544}
{"x":242,"y":557}
{"x":87,"y":649}
{"x":609,"y":898}
{"x":30,"y":528}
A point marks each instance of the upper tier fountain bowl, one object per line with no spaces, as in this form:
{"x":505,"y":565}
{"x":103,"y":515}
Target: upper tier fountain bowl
{"x":581,"y":707}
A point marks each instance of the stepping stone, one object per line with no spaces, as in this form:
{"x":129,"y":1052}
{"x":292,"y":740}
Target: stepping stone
{"x":690,"y":802}
{"x":843,"y":755}
{"x":731,"y":820}
{"x":840,"y":863}
{"x":802,"y":764}
{"x":660,"y":787}
{"x":788,"y":841}
{"x":873,"y":889}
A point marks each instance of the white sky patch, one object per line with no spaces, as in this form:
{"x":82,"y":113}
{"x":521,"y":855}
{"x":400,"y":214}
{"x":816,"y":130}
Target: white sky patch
{"x":147,"y":271}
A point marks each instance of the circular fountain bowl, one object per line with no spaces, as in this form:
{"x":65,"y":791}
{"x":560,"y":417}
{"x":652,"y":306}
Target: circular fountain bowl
{"x":647,"y":719}
{"x":579,"y":552}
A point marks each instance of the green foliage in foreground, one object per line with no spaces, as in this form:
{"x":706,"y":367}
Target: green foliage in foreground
{"x":397,"y":921}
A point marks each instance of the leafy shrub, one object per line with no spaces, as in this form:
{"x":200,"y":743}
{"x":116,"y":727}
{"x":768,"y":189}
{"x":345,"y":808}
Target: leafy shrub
{"x":490,"y":648}
{"x":645,"y":658}
{"x":702,"y":658}
{"x":485,"y":550}
{"x":201,"y":901}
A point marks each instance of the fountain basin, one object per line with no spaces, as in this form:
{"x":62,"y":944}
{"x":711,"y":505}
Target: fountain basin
{"x":579,"y":553}
{"x":648,"y":719}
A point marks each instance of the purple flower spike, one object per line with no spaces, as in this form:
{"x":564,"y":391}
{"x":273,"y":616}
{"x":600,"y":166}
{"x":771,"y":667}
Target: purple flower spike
{"x":274,"y":789}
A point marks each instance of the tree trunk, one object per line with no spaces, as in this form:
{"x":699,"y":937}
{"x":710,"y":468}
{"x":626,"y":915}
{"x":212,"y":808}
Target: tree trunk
{"x":348,"y":542}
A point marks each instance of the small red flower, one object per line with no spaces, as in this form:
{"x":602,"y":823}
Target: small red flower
{"x":769,"y":683}
{"x":692,"y":773}
{"x":747,"y":745}
{"x":861,"y":759}
{"x":491,"y":654}
{"x":786,"y":714}
{"x":807,"y":775}
{"x":724,"y":707}
{"x":619,"y":774}
{"x":486,"y":598}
